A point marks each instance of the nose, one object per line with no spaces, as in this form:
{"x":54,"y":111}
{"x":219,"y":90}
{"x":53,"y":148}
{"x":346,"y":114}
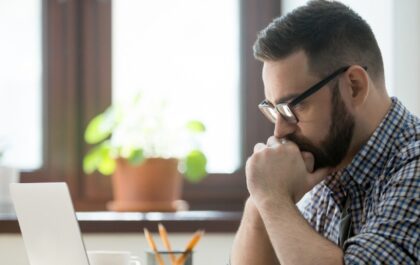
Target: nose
{"x":282,"y":128}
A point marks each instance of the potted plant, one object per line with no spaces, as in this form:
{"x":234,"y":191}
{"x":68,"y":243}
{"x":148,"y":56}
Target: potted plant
{"x":146,"y":148}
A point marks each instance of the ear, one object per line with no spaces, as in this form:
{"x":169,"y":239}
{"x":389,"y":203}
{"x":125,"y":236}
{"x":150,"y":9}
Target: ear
{"x":357,"y":81}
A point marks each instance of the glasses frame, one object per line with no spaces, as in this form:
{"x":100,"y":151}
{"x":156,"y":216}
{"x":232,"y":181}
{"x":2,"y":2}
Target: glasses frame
{"x":286,"y":109}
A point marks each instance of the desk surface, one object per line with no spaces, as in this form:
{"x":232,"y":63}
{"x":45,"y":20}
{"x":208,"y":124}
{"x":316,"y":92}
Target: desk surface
{"x":129,"y":222}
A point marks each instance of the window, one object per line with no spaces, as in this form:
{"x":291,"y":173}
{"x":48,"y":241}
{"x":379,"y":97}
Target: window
{"x":78,"y":83}
{"x":21,"y":84}
{"x":179,"y":51}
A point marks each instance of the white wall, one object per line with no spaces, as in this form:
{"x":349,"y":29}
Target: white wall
{"x":212,"y":249}
{"x":396,"y":25}
{"x":406,"y":28}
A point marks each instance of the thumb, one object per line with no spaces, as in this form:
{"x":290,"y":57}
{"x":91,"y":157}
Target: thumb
{"x":258,"y":147}
{"x":317,"y":176}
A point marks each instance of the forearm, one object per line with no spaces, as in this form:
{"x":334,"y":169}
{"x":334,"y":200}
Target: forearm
{"x":252,"y":245}
{"x":294,"y":240}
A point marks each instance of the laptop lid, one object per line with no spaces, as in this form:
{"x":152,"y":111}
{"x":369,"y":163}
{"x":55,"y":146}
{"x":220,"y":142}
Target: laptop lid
{"x":48,"y":224}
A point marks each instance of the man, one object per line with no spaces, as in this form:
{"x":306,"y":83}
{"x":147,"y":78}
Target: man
{"x":343,"y":139}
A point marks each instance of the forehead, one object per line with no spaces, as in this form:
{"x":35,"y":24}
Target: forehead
{"x":284,"y":79}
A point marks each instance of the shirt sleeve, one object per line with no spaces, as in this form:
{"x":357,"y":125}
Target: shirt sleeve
{"x":310,"y":204}
{"x":307,"y":206}
{"x":391,"y":233}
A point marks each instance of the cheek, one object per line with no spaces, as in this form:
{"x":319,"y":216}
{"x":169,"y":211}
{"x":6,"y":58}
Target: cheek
{"x":317,"y":108}
{"x":315,"y":132}
{"x":324,"y":115}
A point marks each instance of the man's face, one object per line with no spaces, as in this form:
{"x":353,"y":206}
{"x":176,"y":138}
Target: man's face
{"x":325,"y":126}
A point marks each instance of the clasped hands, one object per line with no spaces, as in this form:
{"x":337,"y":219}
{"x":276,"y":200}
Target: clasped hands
{"x":279,"y":172}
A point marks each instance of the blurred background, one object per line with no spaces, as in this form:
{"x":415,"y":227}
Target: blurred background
{"x":65,"y":61}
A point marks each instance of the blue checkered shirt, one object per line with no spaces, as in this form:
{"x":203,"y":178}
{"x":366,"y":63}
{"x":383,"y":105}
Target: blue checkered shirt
{"x":383,"y":182}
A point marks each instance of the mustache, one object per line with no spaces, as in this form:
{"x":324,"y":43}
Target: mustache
{"x":303,"y":143}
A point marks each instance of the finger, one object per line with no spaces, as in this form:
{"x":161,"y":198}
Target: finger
{"x":258,"y":147}
{"x":273,"y":141}
{"x":318,"y":175}
{"x":309,"y":160}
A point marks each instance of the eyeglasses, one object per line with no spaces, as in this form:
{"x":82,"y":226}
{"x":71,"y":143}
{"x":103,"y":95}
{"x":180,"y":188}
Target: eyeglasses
{"x":286,"y":109}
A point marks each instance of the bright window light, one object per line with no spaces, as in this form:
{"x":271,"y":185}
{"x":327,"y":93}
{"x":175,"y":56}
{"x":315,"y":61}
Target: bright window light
{"x":21,"y":84}
{"x":187,"y":52}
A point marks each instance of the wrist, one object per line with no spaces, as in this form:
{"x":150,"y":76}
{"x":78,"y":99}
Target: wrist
{"x":252,"y":216}
{"x":275,"y":206}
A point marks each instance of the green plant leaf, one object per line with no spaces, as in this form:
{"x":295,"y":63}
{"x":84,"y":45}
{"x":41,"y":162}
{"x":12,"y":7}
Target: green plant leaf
{"x":107,"y":166}
{"x":195,"y":126}
{"x":94,"y":157}
{"x":195,"y":166}
{"x":99,"y":158}
{"x":91,"y":160}
{"x":101,"y":126}
{"x":136,"y":157}
{"x":94,"y":132}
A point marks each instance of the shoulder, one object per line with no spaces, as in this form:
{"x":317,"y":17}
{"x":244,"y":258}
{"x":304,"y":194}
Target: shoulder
{"x":392,"y":223}
{"x":401,"y":175}
{"x":406,"y":145}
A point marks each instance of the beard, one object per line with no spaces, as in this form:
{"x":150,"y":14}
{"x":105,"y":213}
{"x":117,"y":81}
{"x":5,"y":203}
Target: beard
{"x":335,"y":146}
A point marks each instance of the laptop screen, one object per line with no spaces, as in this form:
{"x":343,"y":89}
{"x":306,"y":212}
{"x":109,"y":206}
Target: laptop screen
{"x":48,"y":224}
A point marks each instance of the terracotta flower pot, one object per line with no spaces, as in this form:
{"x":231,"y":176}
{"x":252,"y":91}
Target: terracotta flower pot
{"x":154,"y":185}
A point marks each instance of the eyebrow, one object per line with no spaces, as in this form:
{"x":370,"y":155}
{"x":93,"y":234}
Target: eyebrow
{"x":286,"y":98}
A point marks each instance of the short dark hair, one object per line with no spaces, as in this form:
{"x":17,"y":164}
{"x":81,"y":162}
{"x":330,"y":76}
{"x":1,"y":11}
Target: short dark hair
{"x":331,"y":34}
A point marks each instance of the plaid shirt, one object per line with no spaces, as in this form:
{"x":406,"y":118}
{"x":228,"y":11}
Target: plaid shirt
{"x":383,"y":182}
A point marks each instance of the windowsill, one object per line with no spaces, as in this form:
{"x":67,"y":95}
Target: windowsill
{"x":128,"y":222}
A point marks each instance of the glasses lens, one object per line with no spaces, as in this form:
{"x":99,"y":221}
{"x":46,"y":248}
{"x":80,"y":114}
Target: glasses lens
{"x":269,"y":112}
{"x":286,"y":113}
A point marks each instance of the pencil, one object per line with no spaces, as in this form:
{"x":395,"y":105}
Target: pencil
{"x":193,"y":242}
{"x":153,"y":246}
{"x":165,"y":240}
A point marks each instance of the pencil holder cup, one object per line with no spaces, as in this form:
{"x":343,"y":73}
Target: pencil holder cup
{"x":166,"y":257}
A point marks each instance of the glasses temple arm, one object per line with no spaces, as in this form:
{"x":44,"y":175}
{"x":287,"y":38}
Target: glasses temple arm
{"x":317,"y":86}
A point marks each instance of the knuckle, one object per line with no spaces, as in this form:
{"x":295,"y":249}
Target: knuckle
{"x":250,"y":162}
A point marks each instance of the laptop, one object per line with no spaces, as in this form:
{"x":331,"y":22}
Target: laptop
{"x":48,"y":224}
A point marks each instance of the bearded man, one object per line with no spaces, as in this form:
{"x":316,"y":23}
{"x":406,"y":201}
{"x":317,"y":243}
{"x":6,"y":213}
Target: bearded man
{"x":340,"y":137}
